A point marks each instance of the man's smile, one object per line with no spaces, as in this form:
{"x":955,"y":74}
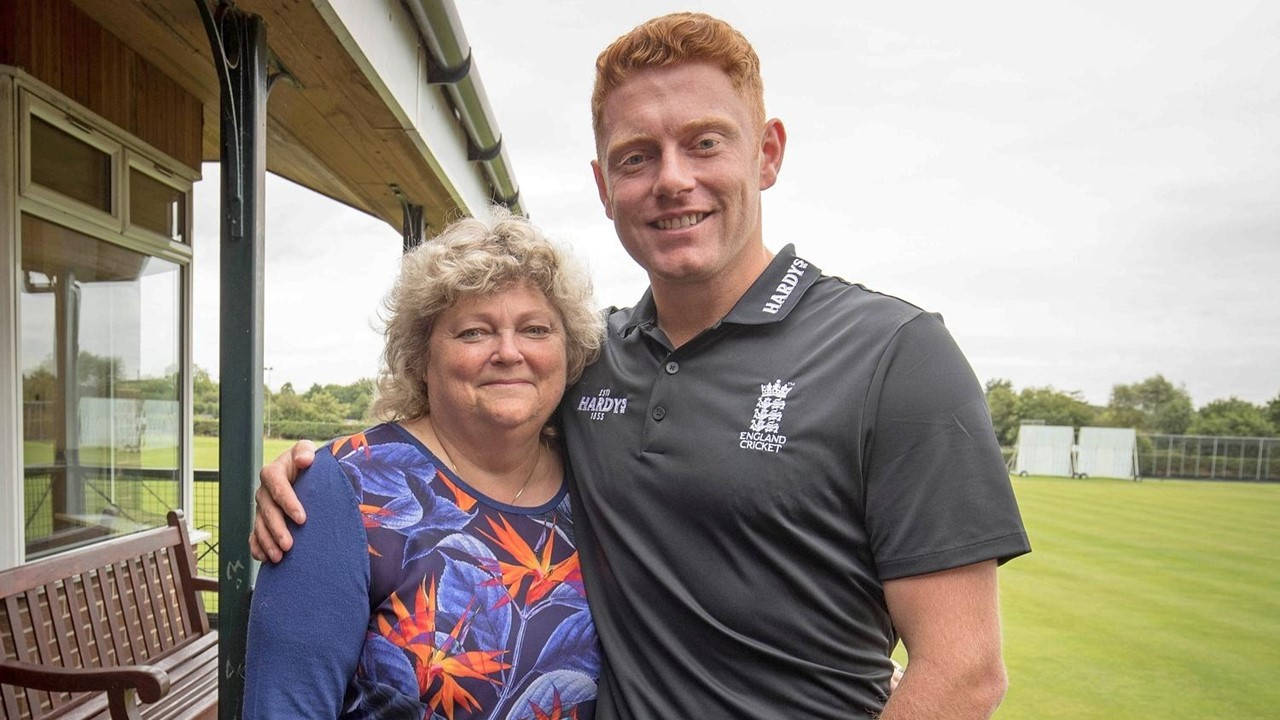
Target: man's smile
{"x":679,"y":222}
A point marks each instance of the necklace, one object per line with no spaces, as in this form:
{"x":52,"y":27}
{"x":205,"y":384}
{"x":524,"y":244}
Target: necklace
{"x":527,"y":480}
{"x":448,"y":459}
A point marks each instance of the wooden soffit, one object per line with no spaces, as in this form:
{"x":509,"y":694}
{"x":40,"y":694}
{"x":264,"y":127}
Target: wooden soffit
{"x":328,"y":130}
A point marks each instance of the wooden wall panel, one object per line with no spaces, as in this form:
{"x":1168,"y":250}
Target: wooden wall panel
{"x":8,"y":30}
{"x":60,"y":45}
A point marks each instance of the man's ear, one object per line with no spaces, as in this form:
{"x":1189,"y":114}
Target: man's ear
{"x":602,"y":187}
{"x":773,"y":144}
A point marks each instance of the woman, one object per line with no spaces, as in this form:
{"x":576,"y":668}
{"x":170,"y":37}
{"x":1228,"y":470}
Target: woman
{"x":442,"y":579}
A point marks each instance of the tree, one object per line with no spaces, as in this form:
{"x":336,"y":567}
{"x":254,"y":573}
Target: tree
{"x":288,"y":405}
{"x":1042,"y":405}
{"x":1154,"y":405}
{"x":1232,"y":416}
{"x":1273,"y":412}
{"x":325,"y":406}
{"x":1054,"y":407}
{"x":204,"y":393}
{"x":354,"y":399}
{"x":1003,"y":405}
{"x":97,"y":374}
{"x":39,"y":385}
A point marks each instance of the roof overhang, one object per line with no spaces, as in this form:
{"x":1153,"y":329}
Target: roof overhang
{"x":354,"y":119}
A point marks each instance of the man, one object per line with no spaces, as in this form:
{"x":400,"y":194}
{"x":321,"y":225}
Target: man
{"x":777,"y":474}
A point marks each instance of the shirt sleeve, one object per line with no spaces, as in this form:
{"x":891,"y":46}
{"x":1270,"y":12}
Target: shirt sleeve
{"x":938,"y":494}
{"x":310,"y":611}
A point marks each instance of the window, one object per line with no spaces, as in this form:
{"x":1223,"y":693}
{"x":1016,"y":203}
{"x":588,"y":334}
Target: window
{"x":101,"y":382}
{"x":67,"y":163}
{"x":103,"y":340}
{"x":157,"y":206}
{"x":70,"y":166}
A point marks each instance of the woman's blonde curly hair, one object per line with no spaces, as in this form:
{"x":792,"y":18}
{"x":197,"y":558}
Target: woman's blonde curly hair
{"x":476,"y":257}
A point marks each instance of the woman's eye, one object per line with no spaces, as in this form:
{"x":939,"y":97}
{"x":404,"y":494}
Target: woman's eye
{"x":537,"y":331}
{"x":471,"y":334}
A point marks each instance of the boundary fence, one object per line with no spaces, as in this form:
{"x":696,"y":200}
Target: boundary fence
{"x":138,"y":497}
{"x":1208,"y":457}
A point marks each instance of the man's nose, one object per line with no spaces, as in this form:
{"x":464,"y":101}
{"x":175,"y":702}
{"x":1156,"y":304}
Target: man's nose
{"x":675,"y":175}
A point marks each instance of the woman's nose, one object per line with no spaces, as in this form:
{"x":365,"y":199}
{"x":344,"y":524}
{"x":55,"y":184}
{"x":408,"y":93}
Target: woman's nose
{"x":508,"y":349}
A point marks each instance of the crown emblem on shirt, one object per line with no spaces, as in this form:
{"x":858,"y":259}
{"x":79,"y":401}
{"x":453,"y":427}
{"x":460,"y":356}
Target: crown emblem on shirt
{"x":763,"y":429}
{"x":776,"y":390}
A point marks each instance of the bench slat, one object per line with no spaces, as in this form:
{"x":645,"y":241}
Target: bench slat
{"x":43,"y":646}
{"x":106,"y":587}
{"x":173,"y":594}
{"x":146,"y":611}
{"x":196,"y":686}
{"x":160,"y":609}
{"x":10,"y":700}
{"x":165,"y":576}
{"x":57,"y":617}
{"x":54,"y":599}
{"x":9,"y":694}
{"x":96,"y":622}
{"x":19,"y":638}
{"x":131,"y":613}
{"x":127,"y":634}
{"x":84,"y":642}
{"x":192,"y":602}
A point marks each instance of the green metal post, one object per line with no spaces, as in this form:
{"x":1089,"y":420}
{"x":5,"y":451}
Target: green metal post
{"x":238,"y":40}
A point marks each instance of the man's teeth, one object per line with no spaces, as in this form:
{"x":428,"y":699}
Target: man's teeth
{"x":683,"y":221}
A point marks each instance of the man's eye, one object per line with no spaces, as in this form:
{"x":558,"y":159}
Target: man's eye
{"x":707,"y":143}
{"x":632,"y":159}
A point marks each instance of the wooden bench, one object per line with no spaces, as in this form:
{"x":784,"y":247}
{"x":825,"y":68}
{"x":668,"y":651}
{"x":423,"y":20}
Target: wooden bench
{"x":88,"y":633}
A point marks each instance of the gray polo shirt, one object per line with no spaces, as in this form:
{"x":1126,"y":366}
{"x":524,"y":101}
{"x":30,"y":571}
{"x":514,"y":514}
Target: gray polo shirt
{"x":741,"y":499}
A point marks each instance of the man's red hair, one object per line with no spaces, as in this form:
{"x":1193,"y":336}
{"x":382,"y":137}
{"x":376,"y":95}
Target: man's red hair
{"x":674,"y":39}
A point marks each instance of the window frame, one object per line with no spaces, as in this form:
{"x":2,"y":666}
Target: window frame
{"x":21,"y":97}
{"x":77,"y":127}
{"x":165,"y":176}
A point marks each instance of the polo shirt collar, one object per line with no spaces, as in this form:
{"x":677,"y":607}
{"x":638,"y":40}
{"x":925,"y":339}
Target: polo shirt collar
{"x":769,"y":299}
{"x":643,"y":314}
{"x":776,"y":292}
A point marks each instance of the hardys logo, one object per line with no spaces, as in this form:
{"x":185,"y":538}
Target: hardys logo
{"x":762,"y":434}
{"x":602,"y":404}
{"x":788,"y":283}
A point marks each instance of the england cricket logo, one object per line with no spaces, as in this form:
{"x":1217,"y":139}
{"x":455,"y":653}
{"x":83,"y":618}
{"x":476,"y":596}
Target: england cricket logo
{"x":762,"y":433}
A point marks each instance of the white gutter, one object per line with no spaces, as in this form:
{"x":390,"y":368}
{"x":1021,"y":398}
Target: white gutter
{"x":450,"y":63}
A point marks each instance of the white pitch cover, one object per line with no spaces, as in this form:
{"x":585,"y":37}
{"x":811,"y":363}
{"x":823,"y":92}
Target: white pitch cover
{"x":1107,"y":452}
{"x":1045,"y":450}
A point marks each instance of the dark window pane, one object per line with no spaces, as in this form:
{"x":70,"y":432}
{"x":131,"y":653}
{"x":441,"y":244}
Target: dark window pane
{"x":157,"y":206}
{"x":70,"y":166}
{"x":100,"y":359}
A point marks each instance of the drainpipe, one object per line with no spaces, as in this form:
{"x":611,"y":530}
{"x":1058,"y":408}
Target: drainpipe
{"x":449,"y":63}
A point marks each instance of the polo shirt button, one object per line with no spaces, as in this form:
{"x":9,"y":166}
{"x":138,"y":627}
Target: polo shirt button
{"x":673,"y":367}
{"x":659,"y":413}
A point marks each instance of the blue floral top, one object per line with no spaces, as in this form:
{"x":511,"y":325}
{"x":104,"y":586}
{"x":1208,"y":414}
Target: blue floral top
{"x":469,"y":608}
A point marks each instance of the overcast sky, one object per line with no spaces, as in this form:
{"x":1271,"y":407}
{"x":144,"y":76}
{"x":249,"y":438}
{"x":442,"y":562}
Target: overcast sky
{"x":1089,"y":192}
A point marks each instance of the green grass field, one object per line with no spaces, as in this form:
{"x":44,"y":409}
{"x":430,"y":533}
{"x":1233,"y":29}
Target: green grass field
{"x":1158,"y":599}
{"x":204,"y":454}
